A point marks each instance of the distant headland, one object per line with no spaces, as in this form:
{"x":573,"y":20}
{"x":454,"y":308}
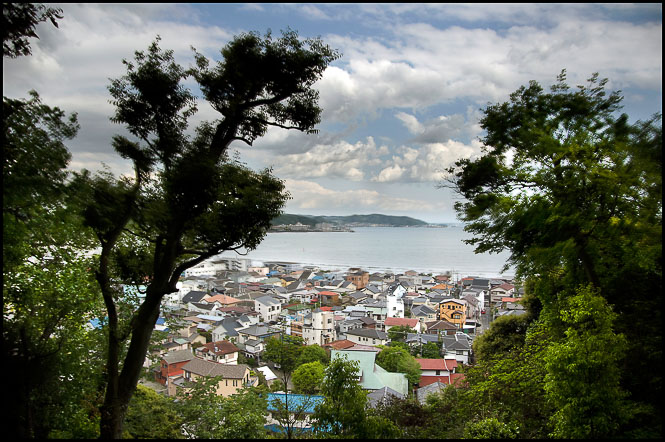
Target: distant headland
{"x":324,"y":223}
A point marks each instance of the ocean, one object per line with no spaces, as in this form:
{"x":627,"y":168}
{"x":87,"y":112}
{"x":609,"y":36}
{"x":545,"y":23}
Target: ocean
{"x":383,"y":249}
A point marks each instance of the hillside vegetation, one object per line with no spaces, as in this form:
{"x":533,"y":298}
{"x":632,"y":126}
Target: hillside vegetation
{"x":310,"y":220}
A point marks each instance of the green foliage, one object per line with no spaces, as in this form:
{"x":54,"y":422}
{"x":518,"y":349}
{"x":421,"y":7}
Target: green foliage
{"x":431,"y":350}
{"x":490,"y":428}
{"x":574,"y":192}
{"x":342,"y":413}
{"x":307,"y":377}
{"x":399,"y":360}
{"x":313,"y":353}
{"x":207,"y":415}
{"x":152,"y":416}
{"x":583,"y":370}
{"x":18,"y":25}
{"x":398,"y":333}
{"x":504,"y":334}
{"x":286,"y":353}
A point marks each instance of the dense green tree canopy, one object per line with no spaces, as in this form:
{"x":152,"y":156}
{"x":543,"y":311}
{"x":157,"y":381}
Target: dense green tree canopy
{"x":573,"y":191}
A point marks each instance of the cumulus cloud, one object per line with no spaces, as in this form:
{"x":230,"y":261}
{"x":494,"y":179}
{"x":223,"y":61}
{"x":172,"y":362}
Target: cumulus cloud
{"x":341,"y":160}
{"x":427,"y":163}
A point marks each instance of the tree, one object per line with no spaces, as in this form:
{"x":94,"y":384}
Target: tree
{"x":307,"y":378}
{"x":399,"y":332}
{"x":583,"y":370}
{"x":399,"y":360}
{"x":187,"y":201}
{"x":313,"y":353}
{"x":152,"y":416}
{"x":18,"y":25}
{"x":49,"y":293}
{"x":285,"y":351}
{"x":574,"y":192}
{"x":207,"y":415}
{"x":342,"y":412}
{"x":490,"y":428}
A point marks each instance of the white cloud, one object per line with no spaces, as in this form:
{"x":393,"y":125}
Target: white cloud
{"x":309,"y":195}
{"x":341,"y":160}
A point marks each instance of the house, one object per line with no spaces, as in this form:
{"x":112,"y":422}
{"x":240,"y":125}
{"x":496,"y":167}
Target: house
{"x":367,"y":336}
{"x":424,"y":313}
{"x":394,"y":306}
{"x":319,"y":327}
{"x":222,"y":300}
{"x":408,"y":322}
{"x":453,"y":311}
{"x":223,"y":352}
{"x":268,"y":374}
{"x":231,"y":377}
{"x":329,"y":298}
{"x":434,"y":370}
{"x":268,"y":308}
{"x":381,"y":396}
{"x":193,"y":296}
{"x":258,"y":332}
{"x":253,"y":348}
{"x":359,"y":279}
{"x":457,"y":346}
{"x":440,"y":328}
{"x":371,"y":376}
{"x":171,"y":364}
{"x":422,"y":392}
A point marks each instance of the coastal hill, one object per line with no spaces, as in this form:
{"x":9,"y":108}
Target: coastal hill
{"x":310,"y":220}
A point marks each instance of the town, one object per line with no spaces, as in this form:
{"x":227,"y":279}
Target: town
{"x":217,"y":324}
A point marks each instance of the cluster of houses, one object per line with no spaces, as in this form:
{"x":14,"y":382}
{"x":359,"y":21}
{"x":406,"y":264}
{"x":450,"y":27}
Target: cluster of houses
{"x":349,"y":313}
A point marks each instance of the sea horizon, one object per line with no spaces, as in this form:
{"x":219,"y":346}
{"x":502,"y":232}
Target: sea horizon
{"x":382,"y":249}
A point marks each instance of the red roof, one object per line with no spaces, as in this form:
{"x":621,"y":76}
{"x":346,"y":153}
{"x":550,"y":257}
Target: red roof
{"x":326,"y":309}
{"x":437,"y":364}
{"x":411,"y":322}
{"x":340,"y":345}
{"x":510,"y":299}
{"x":328,"y":293}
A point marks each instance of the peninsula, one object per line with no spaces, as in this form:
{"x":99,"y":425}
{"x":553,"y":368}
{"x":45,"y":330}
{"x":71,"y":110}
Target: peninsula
{"x":323,"y":223}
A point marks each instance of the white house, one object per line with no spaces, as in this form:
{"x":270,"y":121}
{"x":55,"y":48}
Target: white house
{"x":367,"y":336}
{"x":394,"y":306}
{"x":320,"y":329}
{"x":268,"y":308}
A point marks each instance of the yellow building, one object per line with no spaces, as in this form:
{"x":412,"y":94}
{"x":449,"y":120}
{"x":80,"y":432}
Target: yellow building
{"x":453,"y":311}
{"x":232,"y":377}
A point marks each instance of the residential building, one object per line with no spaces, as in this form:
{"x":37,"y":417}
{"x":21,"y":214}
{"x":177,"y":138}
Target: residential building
{"x":268,"y":308}
{"x":371,"y":376}
{"x":223,"y":352}
{"x":231,"y":377}
{"x":170,"y":366}
{"x":319,"y":327}
{"x":367,"y":336}
{"x":453,"y":311}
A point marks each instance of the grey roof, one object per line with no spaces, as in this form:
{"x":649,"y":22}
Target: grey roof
{"x":456,"y":342}
{"x":257,"y":330}
{"x":422,"y":310}
{"x":381,"y":395}
{"x":193,"y":296}
{"x":423,"y":392}
{"x":268,"y":300}
{"x":421,"y":338}
{"x":368,"y":333}
{"x":202,"y":367}
{"x":176,"y":356}
{"x":203,"y":306}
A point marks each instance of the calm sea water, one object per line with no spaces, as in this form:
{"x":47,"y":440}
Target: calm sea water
{"x":394,"y":249}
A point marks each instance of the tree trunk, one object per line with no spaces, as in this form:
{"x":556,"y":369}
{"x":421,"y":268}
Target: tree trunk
{"x":121,"y":387}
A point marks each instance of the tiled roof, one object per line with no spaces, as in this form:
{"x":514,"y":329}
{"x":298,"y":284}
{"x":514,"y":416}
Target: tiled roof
{"x":437,"y":364}
{"x":202,"y":367}
{"x":401,"y":321}
{"x":173,"y":357}
{"x":219,"y":347}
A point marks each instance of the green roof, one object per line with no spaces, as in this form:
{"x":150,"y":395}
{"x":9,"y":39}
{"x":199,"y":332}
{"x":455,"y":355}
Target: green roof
{"x":373,"y":377}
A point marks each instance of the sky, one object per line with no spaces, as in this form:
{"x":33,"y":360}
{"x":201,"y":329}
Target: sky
{"x":400,"y":106}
